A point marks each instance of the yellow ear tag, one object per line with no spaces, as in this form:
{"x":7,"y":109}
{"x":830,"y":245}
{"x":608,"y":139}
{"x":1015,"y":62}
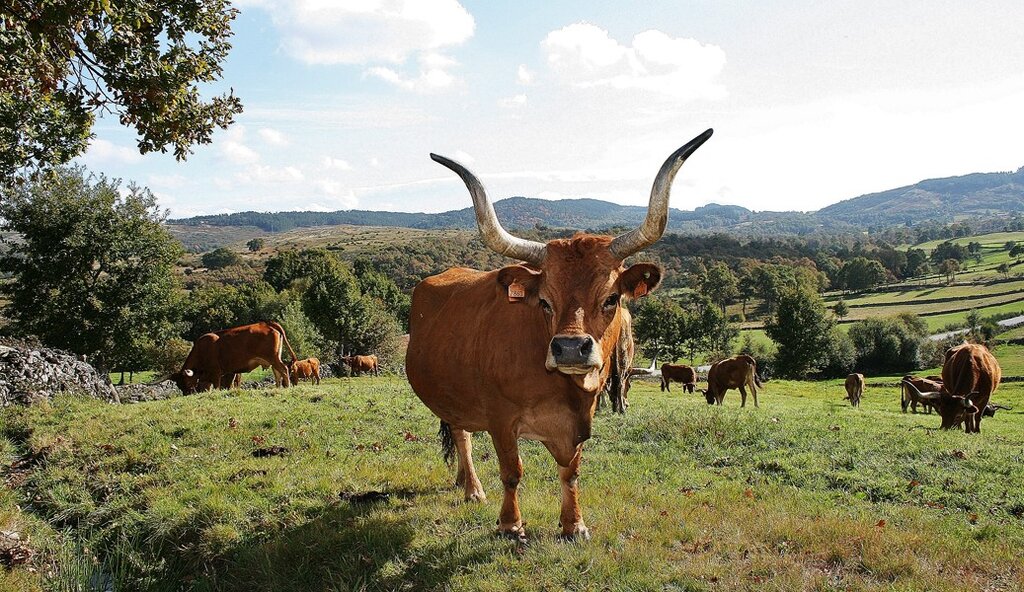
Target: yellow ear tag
{"x":516,"y":292}
{"x":640,"y":289}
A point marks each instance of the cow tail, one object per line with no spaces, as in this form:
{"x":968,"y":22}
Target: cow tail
{"x":284,"y":336}
{"x":904,"y":401}
{"x":447,"y":442}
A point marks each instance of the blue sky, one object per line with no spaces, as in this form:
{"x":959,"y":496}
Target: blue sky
{"x":811,"y":102}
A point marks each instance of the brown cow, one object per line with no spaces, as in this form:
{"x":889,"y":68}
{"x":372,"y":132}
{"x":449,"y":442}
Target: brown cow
{"x":362,"y":364}
{"x":912,"y":397}
{"x":737,"y":372}
{"x":523,"y":351}
{"x":308,"y":369}
{"x":970,"y":375}
{"x":679,"y":373}
{"x":231,"y":352}
{"x":854,"y":388}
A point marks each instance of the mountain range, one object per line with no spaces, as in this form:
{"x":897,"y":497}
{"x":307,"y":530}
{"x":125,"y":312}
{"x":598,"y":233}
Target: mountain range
{"x":977,"y":195}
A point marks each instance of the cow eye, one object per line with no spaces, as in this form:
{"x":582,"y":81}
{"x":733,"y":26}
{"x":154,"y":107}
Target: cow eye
{"x":544,"y":304}
{"x":611,"y":301}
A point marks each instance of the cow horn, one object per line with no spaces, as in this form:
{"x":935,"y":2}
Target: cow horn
{"x":654,"y":224}
{"x":929,"y":396}
{"x":188,"y":372}
{"x":494,"y":236}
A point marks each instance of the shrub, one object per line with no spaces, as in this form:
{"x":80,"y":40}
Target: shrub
{"x":890,"y":344}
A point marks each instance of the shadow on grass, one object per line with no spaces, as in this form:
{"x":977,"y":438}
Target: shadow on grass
{"x":352,"y":546}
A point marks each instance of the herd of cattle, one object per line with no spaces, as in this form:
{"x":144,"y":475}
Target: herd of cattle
{"x":526,"y":350}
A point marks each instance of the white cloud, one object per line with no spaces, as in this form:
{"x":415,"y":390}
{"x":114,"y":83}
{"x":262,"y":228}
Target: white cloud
{"x":513,"y":102}
{"x":233,"y":148}
{"x":269,"y":174}
{"x":524,"y":75}
{"x":103,"y":152}
{"x":366,"y":31}
{"x":272,"y":137}
{"x":585,"y":56}
{"x":167,"y":181}
{"x":433,"y":74}
{"x":336,"y":164}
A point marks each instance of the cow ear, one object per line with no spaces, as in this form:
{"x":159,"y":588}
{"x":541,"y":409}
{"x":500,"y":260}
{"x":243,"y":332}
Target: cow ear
{"x":639,"y":279}
{"x":519,"y":275}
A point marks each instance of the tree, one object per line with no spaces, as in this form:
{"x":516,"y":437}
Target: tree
{"x":1017,"y":251}
{"x":949,"y":250}
{"x":658,"y":326}
{"x":973,"y":324}
{"x":92,"y":271}
{"x":1004,"y":268}
{"x":917,"y":263}
{"x":720,"y":285}
{"x":948,"y":268}
{"x":143,"y":61}
{"x":890,"y":344}
{"x":221,"y":257}
{"x":802,"y":330}
{"x":256,"y":245}
{"x":1008,"y":245}
{"x":861,"y":273}
{"x":289,"y":266}
{"x":841,"y":309}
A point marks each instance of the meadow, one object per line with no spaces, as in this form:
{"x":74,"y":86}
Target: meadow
{"x":342,"y":487}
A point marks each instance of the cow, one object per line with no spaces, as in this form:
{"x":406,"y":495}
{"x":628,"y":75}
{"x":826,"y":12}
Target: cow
{"x":308,"y":369}
{"x":618,"y":383}
{"x":970,"y":374}
{"x":854,"y":388}
{"x":737,"y":372}
{"x":910,"y":397}
{"x":233,"y":352}
{"x":523,"y":351}
{"x":360,"y":364}
{"x":679,"y":373}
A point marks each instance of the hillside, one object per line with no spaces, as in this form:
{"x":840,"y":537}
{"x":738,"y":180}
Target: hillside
{"x":974,"y":195}
{"x":978,"y":195}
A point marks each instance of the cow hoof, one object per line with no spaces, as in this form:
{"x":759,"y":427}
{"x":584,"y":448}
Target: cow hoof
{"x":513,"y":533}
{"x":578,"y":534}
{"x":476,"y":497}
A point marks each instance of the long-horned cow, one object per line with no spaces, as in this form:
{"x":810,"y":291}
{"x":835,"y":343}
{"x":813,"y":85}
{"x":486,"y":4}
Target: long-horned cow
{"x":231,"y":352}
{"x":970,"y":374}
{"x":737,"y":372}
{"x":523,"y":351}
{"x":678,"y":373}
{"x":911,"y":388}
{"x":855,"y":388}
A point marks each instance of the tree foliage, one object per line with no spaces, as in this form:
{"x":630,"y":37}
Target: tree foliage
{"x":91,"y":270}
{"x":890,"y":344}
{"x":803,"y":331}
{"x":142,"y":61}
{"x":220,"y":258}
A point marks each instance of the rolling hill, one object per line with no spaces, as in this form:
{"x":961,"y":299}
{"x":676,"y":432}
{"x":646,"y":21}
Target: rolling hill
{"x":978,"y":195}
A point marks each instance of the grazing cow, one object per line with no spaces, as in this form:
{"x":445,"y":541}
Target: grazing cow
{"x":737,"y":372}
{"x":970,"y":374}
{"x":678,"y":373}
{"x":618,"y":383}
{"x":308,"y":369}
{"x":232,"y":352}
{"x":360,"y":364}
{"x":523,"y":351}
{"x":854,"y":388}
{"x":911,"y":397}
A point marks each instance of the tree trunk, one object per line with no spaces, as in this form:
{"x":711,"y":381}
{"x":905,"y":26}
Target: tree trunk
{"x":121,"y":383}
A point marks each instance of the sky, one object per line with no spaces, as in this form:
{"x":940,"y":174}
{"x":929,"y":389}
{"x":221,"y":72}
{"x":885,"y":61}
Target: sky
{"x":811,"y":102}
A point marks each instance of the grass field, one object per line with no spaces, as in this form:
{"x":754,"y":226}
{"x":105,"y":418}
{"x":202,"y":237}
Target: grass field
{"x":803,"y":493}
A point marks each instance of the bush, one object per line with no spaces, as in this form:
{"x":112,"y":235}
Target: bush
{"x":220,"y":258}
{"x":891,"y":344}
{"x":167,"y":358}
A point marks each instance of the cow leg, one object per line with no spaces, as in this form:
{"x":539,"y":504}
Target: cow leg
{"x":753,"y":391}
{"x":743,"y":396}
{"x":466,"y":477}
{"x":510,"y":522}
{"x":571,"y":518}
{"x":316,"y":378}
{"x":280,"y":373}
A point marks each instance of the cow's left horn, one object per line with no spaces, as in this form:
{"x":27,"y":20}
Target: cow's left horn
{"x":495,"y":237}
{"x":654,"y":224}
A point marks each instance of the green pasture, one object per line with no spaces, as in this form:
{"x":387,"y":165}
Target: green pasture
{"x":994,"y":240}
{"x":803,"y":493}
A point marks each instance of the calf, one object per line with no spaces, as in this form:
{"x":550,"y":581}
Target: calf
{"x":854,"y":388}
{"x":308,"y":369}
{"x":360,"y":364}
{"x":737,"y":372}
{"x":678,"y":373}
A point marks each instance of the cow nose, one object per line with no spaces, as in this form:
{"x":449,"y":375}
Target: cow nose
{"x":572,"y":350}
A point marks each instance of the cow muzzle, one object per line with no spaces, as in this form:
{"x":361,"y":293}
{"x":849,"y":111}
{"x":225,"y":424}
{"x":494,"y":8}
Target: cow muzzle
{"x":573,"y":354}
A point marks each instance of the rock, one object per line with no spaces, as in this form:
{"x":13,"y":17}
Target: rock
{"x":31,"y":374}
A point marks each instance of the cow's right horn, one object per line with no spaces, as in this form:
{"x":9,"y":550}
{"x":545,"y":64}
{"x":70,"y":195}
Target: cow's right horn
{"x":494,"y":236}
{"x":929,"y":396}
{"x":654,"y":224}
